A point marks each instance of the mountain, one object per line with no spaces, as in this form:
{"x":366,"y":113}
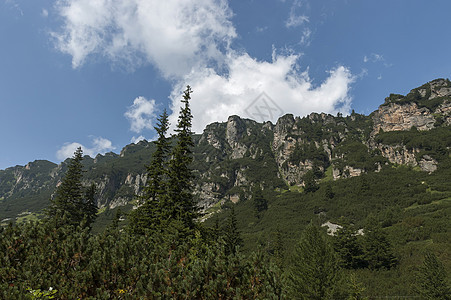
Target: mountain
{"x":232,"y":157}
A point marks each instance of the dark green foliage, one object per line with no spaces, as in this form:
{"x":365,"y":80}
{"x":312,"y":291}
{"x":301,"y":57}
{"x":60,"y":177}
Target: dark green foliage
{"x":89,"y":204}
{"x":179,"y":203}
{"x":349,"y":248}
{"x":355,"y":154}
{"x":435,"y":142}
{"x":114,"y":265}
{"x":310,"y":185}
{"x":329,"y":192}
{"x":432,"y":279}
{"x":260,"y":202}
{"x":303,"y":152}
{"x":232,"y":236}
{"x":314,"y":271}
{"x":151,"y":213}
{"x":71,"y":204}
{"x":378,"y":252}
{"x":415,"y":97}
{"x":157,"y":171}
{"x":183,"y":259}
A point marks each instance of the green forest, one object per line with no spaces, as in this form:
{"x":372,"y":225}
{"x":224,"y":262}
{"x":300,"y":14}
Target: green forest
{"x":392,"y":237}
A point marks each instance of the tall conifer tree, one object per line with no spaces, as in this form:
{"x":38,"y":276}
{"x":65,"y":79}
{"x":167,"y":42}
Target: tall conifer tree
{"x":314,"y":269}
{"x":260,"y":203}
{"x":432,"y":279}
{"x":72,"y":204}
{"x":150,"y":214}
{"x":180,"y":202}
{"x":232,"y":237}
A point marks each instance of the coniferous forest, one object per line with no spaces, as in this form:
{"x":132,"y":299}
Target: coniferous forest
{"x":392,"y":239}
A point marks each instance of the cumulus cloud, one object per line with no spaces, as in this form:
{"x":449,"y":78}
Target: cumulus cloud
{"x":216,"y":96}
{"x":190,"y":43}
{"x":141,"y":114}
{"x":173,"y":35}
{"x":99,"y":145}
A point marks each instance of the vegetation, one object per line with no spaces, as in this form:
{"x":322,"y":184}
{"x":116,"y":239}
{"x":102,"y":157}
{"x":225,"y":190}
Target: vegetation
{"x":393,"y":221}
{"x":71,"y":205}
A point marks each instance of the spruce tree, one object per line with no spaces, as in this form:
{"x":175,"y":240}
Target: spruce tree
{"x":310,"y":185}
{"x":232,"y":237}
{"x":72,"y":204}
{"x":260,"y":203}
{"x":432,"y":279}
{"x":348,"y":247}
{"x":89,"y":205}
{"x":150,"y":214}
{"x":157,"y":171}
{"x":179,"y":203}
{"x":378,"y":251}
{"x":313,"y":273}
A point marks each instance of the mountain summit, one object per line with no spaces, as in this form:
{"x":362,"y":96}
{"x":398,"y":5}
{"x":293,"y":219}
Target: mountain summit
{"x":232,"y":157}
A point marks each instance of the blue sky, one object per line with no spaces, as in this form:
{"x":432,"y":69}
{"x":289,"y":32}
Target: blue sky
{"x":97,"y":73}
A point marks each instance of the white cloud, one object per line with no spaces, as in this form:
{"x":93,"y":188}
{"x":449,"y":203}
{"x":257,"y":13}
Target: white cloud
{"x":141,"y":114}
{"x":294,"y":19}
{"x":305,"y":39}
{"x":173,"y":35}
{"x":136,"y":140}
{"x":189,"y":42}
{"x":44,"y":13}
{"x":373,"y":57}
{"x":216,"y":97}
{"x":99,"y":145}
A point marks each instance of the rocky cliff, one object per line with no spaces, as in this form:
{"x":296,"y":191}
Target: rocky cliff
{"x":232,"y":157}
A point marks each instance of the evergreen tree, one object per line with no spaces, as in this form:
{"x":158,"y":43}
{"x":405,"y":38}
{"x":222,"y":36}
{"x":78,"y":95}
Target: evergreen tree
{"x":260,"y":203}
{"x":232,"y":237}
{"x":89,"y":205}
{"x":329,"y":192}
{"x":71,"y":203}
{"x":150,"y":214}
{"x":157,"y":171}
{"x":310,"y":185}
{"x":313,"y":273}
{"x":378,"y":251}
{"x":432,"y":278}
{"x":279,"y":248}
{"x":179,"y":203}
{"x":348,"y":247}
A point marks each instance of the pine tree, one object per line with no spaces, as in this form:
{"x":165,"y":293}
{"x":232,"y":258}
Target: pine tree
{"x":279,"y":248}
{"x":89,"y":205}
{"x":432,"y":278}
{"x":378,"y":251}
{"x":260,"y":203}
{"x":329,"y":192}
{"x":157,"y":171}
{"x":232,"y":237}
{"x":313,"y":273}
{"x":179,"y":203}
{"x":71,"y":203}
{"x":310,"y":185}
{"x":348,"y":247}
{"x":150,"y":214}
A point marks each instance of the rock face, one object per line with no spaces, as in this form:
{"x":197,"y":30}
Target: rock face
{"x":395,"y":117}
{"x":420,"y":108}
{"x":231,"y":158}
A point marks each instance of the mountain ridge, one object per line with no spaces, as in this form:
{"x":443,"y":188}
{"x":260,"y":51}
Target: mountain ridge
{"x":231,"y":157}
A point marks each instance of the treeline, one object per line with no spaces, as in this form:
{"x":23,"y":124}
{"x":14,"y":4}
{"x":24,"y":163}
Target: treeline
{"x":164,"y":252}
